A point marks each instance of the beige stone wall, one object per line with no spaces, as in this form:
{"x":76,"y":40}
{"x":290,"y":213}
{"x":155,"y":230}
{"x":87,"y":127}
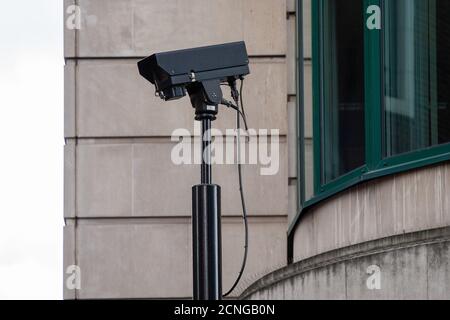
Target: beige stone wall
{"x":127,"y":208}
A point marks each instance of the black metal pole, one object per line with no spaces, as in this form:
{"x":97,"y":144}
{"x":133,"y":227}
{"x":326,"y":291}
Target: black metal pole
{"x":206,"y":228}
{"x":206,"y":170}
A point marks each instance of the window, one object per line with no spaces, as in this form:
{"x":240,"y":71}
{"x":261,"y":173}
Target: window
{"x":417,"y":75}
{"x":343,"y":84}
{"x":381,"y":96}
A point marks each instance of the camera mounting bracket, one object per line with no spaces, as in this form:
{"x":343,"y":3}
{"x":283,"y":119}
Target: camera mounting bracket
{"x":205,"y":98}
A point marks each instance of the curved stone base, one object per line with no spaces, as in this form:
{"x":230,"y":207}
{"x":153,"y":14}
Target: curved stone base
{"x":409,"y":266}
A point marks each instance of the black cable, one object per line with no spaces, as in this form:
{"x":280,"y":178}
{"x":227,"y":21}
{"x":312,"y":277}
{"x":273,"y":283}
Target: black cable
{"x":236,"y":96}
{"x":241,"y":190}
{"x":244,"y":116}
{"x":232,"y":106}
{"x":242,"y":99}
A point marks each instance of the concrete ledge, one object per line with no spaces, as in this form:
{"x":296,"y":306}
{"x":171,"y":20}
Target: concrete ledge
{"x":435,"y":272}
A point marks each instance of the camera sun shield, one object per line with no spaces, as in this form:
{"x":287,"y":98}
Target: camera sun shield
{"x":174,"y":72}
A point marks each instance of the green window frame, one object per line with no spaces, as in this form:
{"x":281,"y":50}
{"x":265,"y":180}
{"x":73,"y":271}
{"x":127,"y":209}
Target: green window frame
{"x":376,"y":164}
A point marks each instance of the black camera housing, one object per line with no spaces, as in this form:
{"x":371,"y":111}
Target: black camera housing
{"x":176,"y":72}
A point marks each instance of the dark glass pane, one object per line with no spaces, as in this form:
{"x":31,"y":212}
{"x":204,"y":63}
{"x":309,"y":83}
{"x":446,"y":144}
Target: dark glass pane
{"x":343,"y":145}
{"x":443,"y":69}
{"x":416,"y":109}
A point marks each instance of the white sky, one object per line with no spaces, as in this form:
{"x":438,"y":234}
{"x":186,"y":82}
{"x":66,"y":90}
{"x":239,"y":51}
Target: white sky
{"x":31,"y":149}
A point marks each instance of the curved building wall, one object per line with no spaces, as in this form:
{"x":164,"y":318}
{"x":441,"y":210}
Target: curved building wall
{"x":408,"y":266}
{"x":394,"y":205}
{"x":386,"y":239}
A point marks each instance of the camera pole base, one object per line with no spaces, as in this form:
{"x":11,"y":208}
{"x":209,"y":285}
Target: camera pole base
{"x":206,"y":224}
{"x":206,"y":237}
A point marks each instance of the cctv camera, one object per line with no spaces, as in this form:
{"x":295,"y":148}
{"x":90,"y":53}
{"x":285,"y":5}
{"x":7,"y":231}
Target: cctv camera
{"x":198,"y":72}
